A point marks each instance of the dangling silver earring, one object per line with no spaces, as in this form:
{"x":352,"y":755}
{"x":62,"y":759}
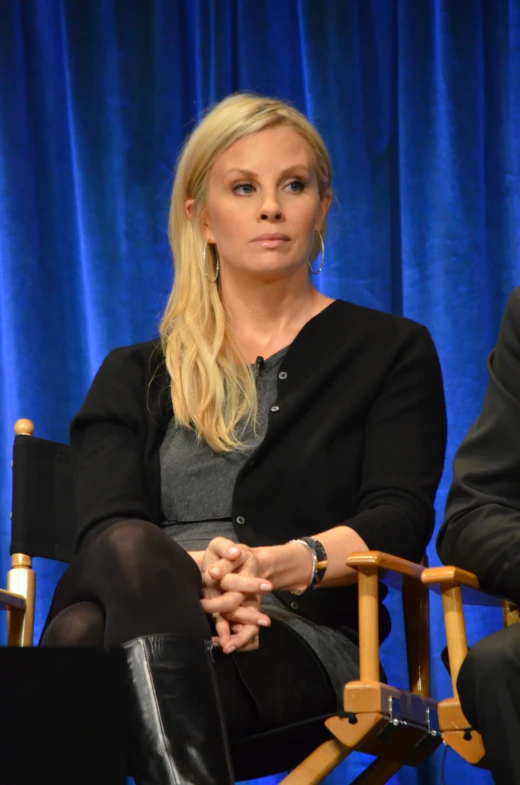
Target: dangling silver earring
{"x":217,"y":265}
{"x":320,"y":268}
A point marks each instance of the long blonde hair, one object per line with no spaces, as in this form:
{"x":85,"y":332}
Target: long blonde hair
{"x":213,"y":389}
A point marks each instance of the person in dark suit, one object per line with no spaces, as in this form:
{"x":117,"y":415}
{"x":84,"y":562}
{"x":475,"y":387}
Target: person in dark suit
{"x":226,"y":471}
{"x":481,"y":533}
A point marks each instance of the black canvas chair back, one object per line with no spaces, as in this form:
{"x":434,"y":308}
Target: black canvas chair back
{"x":44,"y":521}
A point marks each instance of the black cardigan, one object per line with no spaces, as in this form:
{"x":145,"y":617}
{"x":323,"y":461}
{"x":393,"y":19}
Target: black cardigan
{"x":481,"y":531}
{"x":357,"y":436}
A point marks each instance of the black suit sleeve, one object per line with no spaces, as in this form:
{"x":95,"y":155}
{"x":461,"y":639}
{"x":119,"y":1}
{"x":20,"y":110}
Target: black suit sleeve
{"x":405,"y":442}
{"x":107,"y":437}
{"x":481,"y":531}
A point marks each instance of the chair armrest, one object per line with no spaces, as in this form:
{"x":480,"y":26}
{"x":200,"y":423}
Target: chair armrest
{"x":391,"y":569}
{"x":439,"y":579}
{"x":450,"y":574}
{"x":9,"y":599}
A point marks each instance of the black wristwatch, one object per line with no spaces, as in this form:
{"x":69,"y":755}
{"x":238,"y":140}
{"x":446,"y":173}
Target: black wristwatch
{"x":319,"y":562}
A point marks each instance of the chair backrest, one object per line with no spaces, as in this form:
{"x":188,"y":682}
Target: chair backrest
{"x":44,"y":520}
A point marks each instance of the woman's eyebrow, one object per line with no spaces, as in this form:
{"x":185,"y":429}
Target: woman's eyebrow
{"x":245,"y":172}
{"x":283,"y":173}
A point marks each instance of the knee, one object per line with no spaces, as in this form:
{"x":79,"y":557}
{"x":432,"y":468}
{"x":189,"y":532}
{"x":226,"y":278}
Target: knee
{"x":82,"y":624}
{"x":490,"y":659}
{"x":128,"y":542}
{"x":489,"y":664}
{"x":139,"y":550}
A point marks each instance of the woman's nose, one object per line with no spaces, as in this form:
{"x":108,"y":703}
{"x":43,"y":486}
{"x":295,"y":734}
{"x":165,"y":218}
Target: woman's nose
{"x":271,"y":211}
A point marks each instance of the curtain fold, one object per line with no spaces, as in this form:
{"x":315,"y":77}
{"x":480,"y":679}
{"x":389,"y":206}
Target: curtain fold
{"x":419,"y":104}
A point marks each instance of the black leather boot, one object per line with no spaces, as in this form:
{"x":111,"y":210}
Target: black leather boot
{"x":179,"y":732}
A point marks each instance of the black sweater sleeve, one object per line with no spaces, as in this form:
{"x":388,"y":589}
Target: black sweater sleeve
{"x":107,"y":437}
{"x":403,"y":455}
{"x":481,"y":531}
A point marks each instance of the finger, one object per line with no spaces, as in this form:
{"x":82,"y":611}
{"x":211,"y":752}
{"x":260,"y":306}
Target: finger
{"x":249,"y":647}
{"x":246,"y":640}
{"x":210,"y":592}
{"x":222,"y":628}
{"x":227,"y":564}
{"x":224,"y":548}
{"x":253,"y":643}
{"x":244,"y":584}
{"x":245,"y":615}
{"x":226,"y":603}
{"x":247,"y":637}
{"x":210,"y":581}
{"x":222,"y":567}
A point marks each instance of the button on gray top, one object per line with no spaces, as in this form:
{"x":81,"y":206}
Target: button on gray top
{"x":282,"y":375}
{"x":275,"y":408}
{"x":240,"y":519}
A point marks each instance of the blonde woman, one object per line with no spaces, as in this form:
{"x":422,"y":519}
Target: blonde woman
{"x":224,"y":473}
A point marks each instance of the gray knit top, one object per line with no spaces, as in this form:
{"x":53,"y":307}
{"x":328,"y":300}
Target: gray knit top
{"x":197,"y":491}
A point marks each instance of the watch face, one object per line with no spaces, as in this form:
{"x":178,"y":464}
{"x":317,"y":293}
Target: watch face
{"x":321,"y":561}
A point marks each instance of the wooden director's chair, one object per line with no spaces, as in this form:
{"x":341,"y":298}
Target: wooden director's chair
{"x":397,"y":726}
{"x":457,"y":588}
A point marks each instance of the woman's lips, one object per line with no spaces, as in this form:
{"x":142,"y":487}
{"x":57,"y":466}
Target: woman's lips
{"x":271,"y":240}
{"x":270,"y":243}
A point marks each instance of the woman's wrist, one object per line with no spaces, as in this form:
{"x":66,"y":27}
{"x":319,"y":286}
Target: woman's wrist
{"x":288,"y":567}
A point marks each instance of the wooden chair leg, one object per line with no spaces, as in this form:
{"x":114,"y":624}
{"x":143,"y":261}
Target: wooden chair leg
{"x":416,"y":611}
{"x":455,"y":630}
{"x":314,"y":769}
{"x":368,"y":601}
{"x":21,"y":579}
{"x":378,"y":773}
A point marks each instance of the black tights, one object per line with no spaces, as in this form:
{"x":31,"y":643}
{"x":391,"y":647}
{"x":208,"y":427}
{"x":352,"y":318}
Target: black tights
{"x":127,"y":581}
{"x":132,"y":579}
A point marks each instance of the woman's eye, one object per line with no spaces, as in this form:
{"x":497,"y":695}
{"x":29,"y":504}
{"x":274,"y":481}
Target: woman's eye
{"x":243,"y":188}
{"x":296,"y":186}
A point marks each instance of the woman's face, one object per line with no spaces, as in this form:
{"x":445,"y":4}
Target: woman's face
{"x":263,"y":205}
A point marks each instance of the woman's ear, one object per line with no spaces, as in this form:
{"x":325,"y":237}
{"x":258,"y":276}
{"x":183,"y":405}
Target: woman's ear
{"x":323,"y":210}
{"x":188,"y":208}
{"x":206,"y":228}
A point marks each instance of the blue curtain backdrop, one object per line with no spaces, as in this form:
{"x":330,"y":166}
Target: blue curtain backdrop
{"x":419,"y":103}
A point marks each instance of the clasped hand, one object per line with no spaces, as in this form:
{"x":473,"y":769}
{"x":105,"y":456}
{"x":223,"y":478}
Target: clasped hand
{"x":232,"y":590}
